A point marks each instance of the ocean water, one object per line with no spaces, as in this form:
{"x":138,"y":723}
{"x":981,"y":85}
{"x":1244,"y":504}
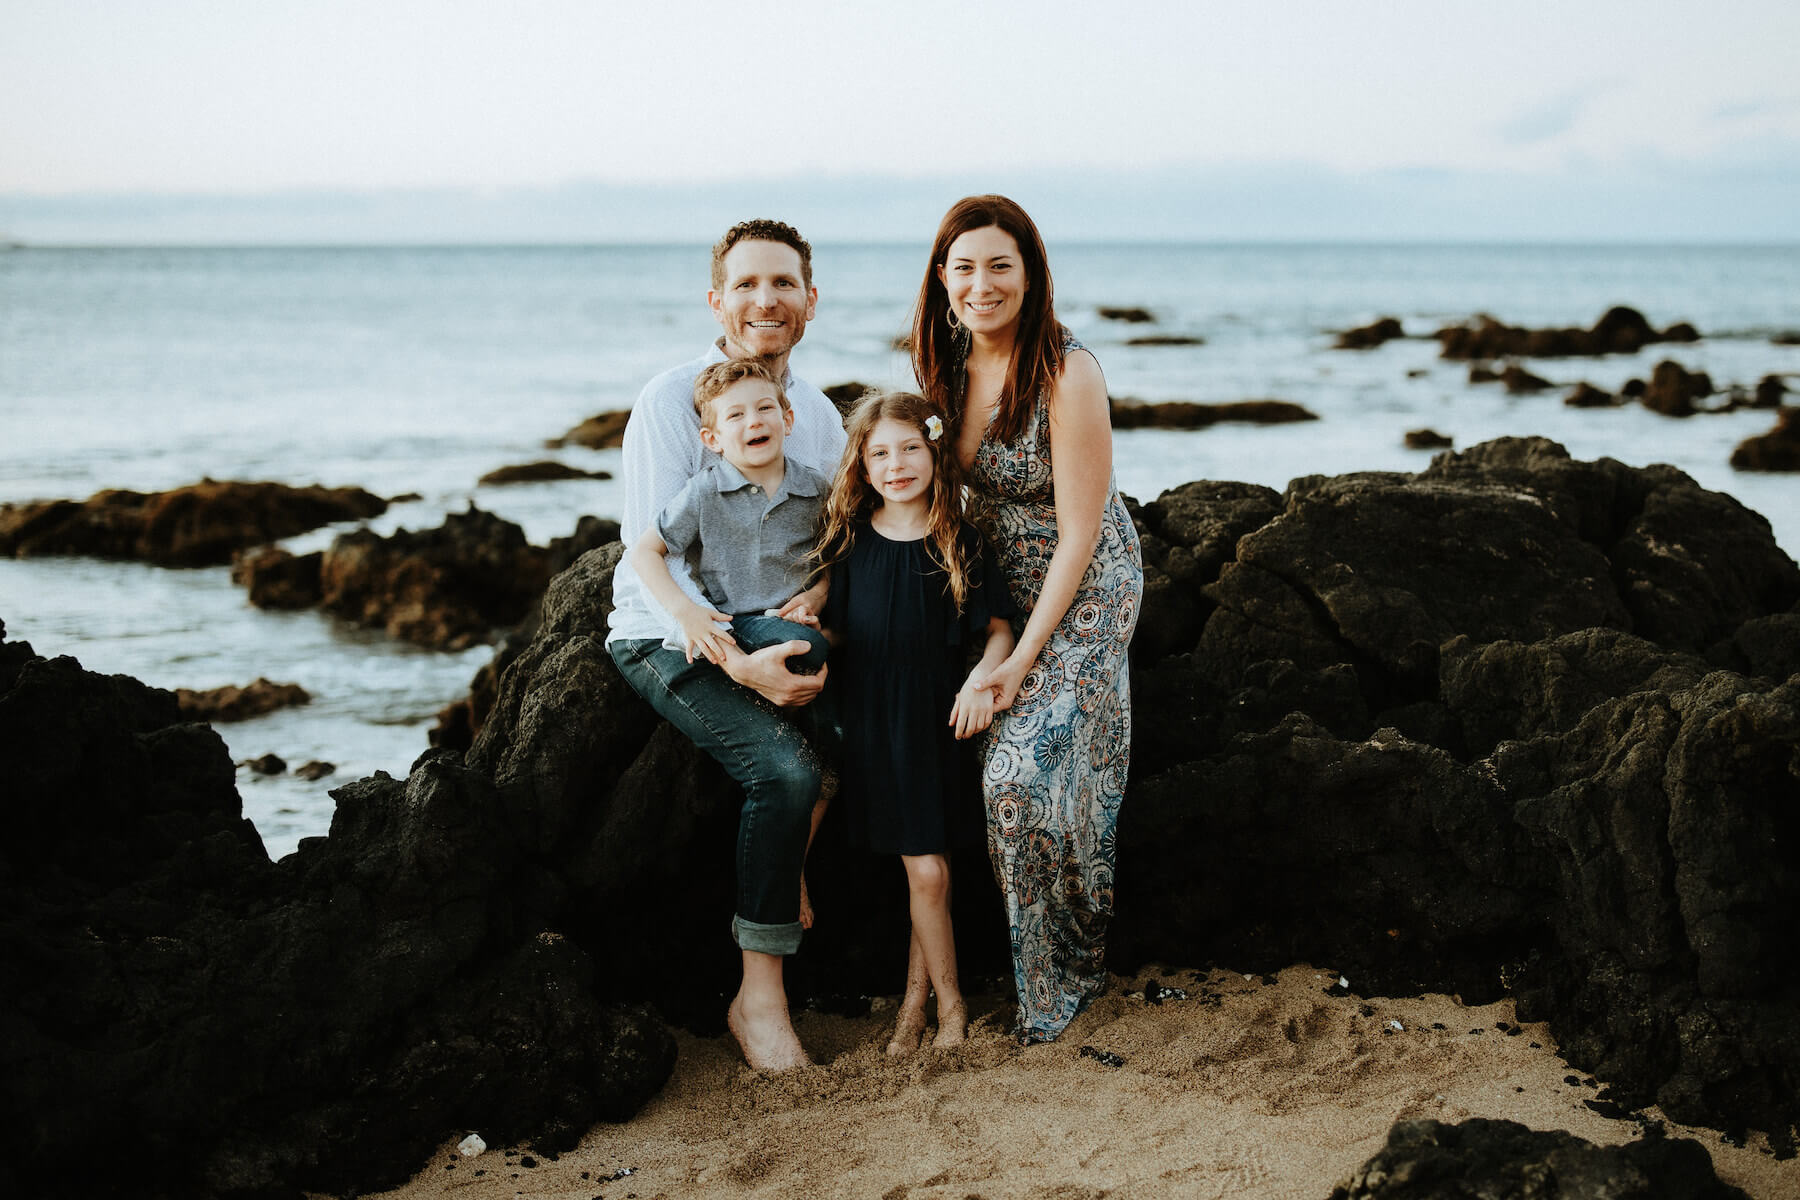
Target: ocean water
{"x":416,"y":370}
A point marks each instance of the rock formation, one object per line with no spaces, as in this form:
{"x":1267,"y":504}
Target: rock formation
{"x":1513,"y":723}
{"x":547,"y":471}
{"x":232,"y":703}
{"x":1128,"y":413}
{"x":1367,"y":337}
{"x":195,"y":526}
{"x":1776,"y":450}
{"x":448,"y":588}
{"x":1619,"y":330}
{"x":188,"y":1018}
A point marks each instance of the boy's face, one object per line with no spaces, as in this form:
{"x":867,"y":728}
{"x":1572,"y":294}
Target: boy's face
{"x":748,"y":425}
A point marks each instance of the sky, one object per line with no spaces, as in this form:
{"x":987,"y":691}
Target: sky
{"x":546,"y":119}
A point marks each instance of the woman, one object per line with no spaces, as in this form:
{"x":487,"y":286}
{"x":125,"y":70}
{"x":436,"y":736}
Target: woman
{"x":1028,"y":411}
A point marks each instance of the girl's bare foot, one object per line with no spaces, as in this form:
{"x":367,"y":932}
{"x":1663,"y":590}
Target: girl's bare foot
{"x":953,"y":1026}
{"x":909,"y":1028}
{"x":806,"y":912}
{"x":766,"y":1036}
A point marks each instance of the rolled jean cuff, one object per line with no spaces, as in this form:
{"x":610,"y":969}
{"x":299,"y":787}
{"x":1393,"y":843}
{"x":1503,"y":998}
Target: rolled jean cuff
{"x":766,"y":939}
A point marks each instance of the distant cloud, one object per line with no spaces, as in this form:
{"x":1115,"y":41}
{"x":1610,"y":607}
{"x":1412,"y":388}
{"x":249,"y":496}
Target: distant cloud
{"x":1764,"y":106}
{"x":1550,"y":118}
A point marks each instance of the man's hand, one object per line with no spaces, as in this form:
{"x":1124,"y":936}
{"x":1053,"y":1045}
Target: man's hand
{"x":766,"y":673}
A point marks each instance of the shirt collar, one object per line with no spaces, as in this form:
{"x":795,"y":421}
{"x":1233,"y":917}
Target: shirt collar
{"x":796,"y":480}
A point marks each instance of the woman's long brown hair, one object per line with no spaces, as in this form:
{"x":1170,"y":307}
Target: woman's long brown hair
{"x":853,"y":499}
{"x":939,"y":353}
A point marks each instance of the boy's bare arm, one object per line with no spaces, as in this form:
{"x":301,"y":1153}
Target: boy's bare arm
{"x":699,"y":628}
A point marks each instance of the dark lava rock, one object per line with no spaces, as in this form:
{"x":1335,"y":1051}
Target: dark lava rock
{"x":1619,"y":330}
{"x":277,"y":578}
{"x":1769,"y":392}
{"x":600,"y":432}
{"x":314,"y":770}
{"x":1673,"y":390}
{"x":448,"y":587}
{"x":1787,"y":337}
{"x":267,"y":764}
{"x":1586,"y":395}
{"x":1428,"y":439}
{"x":231,"y":703}
{"x":546,"y":471}
{"x":1518,"y":380}
{"x":1481,"y":372}
{"x":1475,"y":1159}
{"x":224,"y":1025}
{"x":1776,"y":450}
{"x":845,"y":395}
{"x":1186,"y":414}
{"x":1134,"y":316}
{"x":195,"y":526}
{"x":1166,"y":339}
{"x":1367,"y":337}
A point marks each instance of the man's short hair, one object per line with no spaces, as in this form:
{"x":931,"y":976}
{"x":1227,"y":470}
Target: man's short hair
{"x":761,"y":230}
{"x":714,"y":380}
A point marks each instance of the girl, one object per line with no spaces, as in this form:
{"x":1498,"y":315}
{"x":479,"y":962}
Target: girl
{"x":911,"y":594}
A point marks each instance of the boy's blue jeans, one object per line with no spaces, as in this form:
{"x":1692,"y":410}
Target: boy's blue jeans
{"x":754,"y":632}
{"x":762,"y":748}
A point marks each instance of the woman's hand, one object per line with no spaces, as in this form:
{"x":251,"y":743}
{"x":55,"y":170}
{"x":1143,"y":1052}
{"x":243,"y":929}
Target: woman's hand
{"x":1005,"y":680}
{"x":704,"y":636}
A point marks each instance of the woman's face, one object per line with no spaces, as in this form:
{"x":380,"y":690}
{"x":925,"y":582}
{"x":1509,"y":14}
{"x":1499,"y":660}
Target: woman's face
{"x":984,"y":276}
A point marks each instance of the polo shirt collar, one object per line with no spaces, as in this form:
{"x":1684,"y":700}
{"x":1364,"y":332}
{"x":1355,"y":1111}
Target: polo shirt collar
{"x":796,"y":480}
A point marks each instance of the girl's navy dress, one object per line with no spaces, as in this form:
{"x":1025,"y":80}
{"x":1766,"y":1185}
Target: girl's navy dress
{"x":909,"y":786}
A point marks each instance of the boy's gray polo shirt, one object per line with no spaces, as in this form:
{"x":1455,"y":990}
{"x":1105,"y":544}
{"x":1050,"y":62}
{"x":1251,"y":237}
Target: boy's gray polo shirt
{"x":748,"y":548}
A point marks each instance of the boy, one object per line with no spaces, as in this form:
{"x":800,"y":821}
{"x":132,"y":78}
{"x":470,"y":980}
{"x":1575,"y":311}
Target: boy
{"x":746,"y":524}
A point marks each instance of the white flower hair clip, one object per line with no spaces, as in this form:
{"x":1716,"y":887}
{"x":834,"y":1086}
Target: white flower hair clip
{"x":934,"y":427}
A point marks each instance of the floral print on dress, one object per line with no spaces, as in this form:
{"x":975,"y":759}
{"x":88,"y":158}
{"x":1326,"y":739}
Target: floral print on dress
{"x":1054,"y":765}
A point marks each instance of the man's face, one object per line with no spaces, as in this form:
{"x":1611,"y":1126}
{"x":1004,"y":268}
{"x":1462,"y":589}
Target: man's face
{"x":763,"y":304}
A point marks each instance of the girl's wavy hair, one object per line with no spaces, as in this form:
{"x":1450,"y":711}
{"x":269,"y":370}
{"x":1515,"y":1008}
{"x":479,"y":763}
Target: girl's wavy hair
{"x":853,"y":499}
{"x":940,"y":352}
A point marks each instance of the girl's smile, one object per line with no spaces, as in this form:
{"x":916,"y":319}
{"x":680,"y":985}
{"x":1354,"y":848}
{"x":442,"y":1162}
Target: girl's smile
{"x":897,"y":459}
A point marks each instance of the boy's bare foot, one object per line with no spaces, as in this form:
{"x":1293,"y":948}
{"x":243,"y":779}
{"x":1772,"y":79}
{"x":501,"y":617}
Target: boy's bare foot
{"x":806,"y":912}
{"x":953,"y":1026}
{"x":909,"y":1028}
{"x":767,"y":1038}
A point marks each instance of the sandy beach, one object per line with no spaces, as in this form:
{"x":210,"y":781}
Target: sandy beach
{"x":1254,"y":1088}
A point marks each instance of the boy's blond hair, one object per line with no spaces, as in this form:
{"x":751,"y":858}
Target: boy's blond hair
{"x":714,"y":380}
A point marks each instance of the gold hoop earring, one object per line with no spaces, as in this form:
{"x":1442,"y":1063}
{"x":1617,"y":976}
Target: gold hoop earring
{"x":950,"y":320}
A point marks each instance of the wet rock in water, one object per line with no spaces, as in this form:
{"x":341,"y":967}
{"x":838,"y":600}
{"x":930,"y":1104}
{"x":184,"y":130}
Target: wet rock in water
{"x":1619,"y":330}
{"x":1128,"y":413}
{"x":1483,"y":373}
{"x":1518,"y":380}
{"x":1428,"y":439}
{"x":546,"y":471}
{"x":314,"y":771}
{"x":845,"y":395}
{"x":1787,"y":337}
{"x":1130,"y":315}
{"x":321,"y":1024}
{"x":280,"y":579}
{"x":1586,"y":395}
{"x":267,"y":764}
{"x":1167,"y":339}
{"x":1776,"y":450}
{"x":1769,"y":392}
{"x":1367,"y":337}
{"x":448,"y":588}
{"x":232,"y":703}
{"x":1673,"y":389}
{"x":1431,"y":1160}
{"x":199,"y":525}
{"x":602,"y":431}
{"x":1633,"y":389}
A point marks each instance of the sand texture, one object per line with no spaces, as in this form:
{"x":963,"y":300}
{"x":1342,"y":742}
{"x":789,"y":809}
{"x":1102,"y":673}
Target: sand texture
{"x":1258,"y":1088}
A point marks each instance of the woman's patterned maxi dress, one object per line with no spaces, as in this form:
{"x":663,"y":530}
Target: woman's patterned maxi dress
{"x":1053,"y":766}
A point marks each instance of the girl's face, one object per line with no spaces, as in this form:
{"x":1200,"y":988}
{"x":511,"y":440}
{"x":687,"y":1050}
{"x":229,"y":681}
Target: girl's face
{"x":897,"y":459}
{"x":984,"y":276}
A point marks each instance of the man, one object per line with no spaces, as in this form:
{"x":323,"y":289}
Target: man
{"x":762,"y":295}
